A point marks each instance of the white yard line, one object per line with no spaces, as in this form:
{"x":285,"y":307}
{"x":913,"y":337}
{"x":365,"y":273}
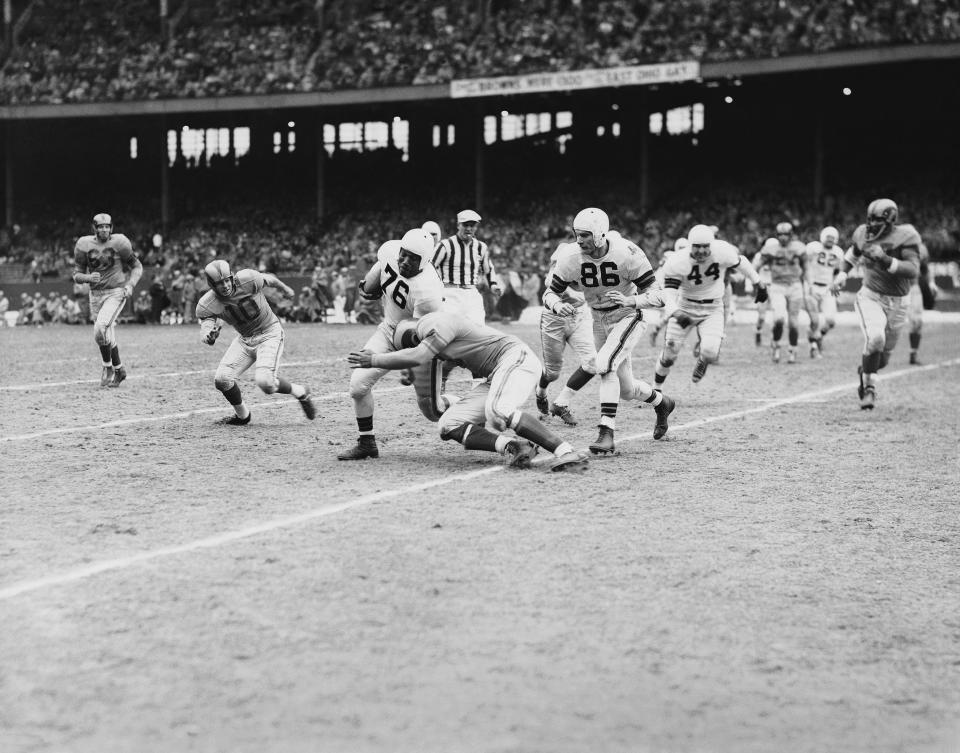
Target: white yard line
{"x":211,"y":542}
{"x":137,"y":375}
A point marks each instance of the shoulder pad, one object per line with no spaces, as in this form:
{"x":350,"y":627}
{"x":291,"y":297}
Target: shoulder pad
{"x":770,"y":245}
{"x":906,"y":235}
{"x":726,"y":252}
{"x":245,"y":276}
{"x":859,"y":236}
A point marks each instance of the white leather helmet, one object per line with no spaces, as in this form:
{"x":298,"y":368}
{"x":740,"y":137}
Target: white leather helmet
{"x":595,"y":221}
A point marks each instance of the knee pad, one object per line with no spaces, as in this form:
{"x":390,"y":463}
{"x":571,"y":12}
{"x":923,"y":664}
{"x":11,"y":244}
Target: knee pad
{"x":875,"y":343}
{"x":497,"y":421}
{"x":223,"y":383}
{"x":266,"y":381}
{"x":452,"y":430}
{"x":101,"y":335}
{"x":550,"y":374}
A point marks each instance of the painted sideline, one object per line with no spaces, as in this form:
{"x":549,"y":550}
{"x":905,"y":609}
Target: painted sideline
{"x":228,"y":537}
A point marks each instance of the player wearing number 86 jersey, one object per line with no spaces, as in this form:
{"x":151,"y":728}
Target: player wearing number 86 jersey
{"x":238,"y":300}
{"x":617,"y":281}
{"x":409,"y":286}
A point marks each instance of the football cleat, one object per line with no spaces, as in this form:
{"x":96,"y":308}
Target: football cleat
{"x":520,"y":452}
{"x":563,"y":413}
{"x":604,"y":443}
{"x":569,"y":461}
{"x":699,"y":371}
{"x":106,"y":376}
{"x":366,"y":447}
{"x":775,"y":353}
{"x":868,"y":398}
{"x":119,"y":374}
{"x":235,"y":420}
{"x":663,"y":413}
{"x":309,"y":410}
{"x":543,"y":404}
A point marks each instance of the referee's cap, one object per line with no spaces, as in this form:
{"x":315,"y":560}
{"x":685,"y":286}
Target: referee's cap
{"x":468,"y":215}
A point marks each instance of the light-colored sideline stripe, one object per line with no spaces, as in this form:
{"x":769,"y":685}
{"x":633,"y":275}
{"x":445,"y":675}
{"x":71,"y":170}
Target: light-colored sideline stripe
{"x":134,"y":376}
{"x":211,"y":542}
{"x":185,"y":414}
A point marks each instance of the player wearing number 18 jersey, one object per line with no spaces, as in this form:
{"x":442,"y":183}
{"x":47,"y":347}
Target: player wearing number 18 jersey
{"x":409,"y":286}
{"x":238,"y":300}
{"x":617,"y":281}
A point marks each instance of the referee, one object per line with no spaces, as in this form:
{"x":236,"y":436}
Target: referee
{"x":462,"y":262}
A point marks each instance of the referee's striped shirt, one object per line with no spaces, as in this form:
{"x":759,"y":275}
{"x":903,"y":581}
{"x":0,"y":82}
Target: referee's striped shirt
{"x":461,"y":262}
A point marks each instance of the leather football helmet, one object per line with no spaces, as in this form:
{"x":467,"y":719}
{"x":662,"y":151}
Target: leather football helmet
{"x":405,"y":335}
{"x":594,"y":221}
{"x":784,"y":228}
{"x":881,"y":216}
{"x":102,"y":226}
{"x":830,"y":234}
{"x":416,"y":252}
{"x":433,"y":229}
{"x":220,"y":278}
{"x":700,"y":238}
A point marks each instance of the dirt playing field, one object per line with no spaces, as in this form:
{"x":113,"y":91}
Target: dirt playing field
{"x":780,"y":574}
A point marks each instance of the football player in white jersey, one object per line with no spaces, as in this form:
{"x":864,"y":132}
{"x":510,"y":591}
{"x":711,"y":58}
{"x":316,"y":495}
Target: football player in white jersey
{"x":556,"y":332}
{"x":508,"y":369}
{"x":409,"y":286}
{"x":824,"y":259}
{"x":694,"y":281}
{"x":238,"y":300}
{"x":656,"y":329}
{"x":785,"y":257}
{"x":617,"y":281}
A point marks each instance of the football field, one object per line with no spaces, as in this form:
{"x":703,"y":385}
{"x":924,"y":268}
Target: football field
{"x":780,"y":573}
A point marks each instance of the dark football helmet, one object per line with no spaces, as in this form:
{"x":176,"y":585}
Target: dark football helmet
{"x":220,"y":278}
{"x":881,"y":216}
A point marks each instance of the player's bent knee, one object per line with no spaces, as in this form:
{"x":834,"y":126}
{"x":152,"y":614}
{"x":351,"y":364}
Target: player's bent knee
{"x":223,"y":382}
{"x":266,"y":381}
{"x":875,"y":343}
{"x":452,"y":429}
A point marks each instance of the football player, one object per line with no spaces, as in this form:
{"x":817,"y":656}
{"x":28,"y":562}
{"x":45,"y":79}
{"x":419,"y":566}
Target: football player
{"x":105,"y":260}
{"x":617,"y":282}
{"x":238,"y":300}
{"x":824,"y":258}
{"x":508,"y":369}
{"x":694,"y":282}
{"x":889,"y":255}
{"x":409,"y":286}
{"x":556,"y":332}
{"x":785,"y":257}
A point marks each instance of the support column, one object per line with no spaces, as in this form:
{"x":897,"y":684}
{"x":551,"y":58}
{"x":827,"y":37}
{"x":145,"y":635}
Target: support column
{"x":164,"y":179}
{"x":479,"y":178}
{"x":321,"y":171}
{"x":8,"y":152}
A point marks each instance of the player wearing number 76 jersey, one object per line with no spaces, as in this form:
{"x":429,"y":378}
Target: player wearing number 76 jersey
{"x":409,"y":286}
{"x":238,"y":300}
{"x":617,"y":281}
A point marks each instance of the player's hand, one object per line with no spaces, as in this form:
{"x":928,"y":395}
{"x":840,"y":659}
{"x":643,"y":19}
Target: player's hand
{"x":618,"y":298}
{"x":838,"y":282}
{"x":874,"y":252}
{"x":682,"y":319}
{"x":760,"y":293}
{"x":93,"y":278}
{"x":360,"y":359}
{"x":564,"y":309}
{"x":211,"y":337}
{"x":495,"y":289}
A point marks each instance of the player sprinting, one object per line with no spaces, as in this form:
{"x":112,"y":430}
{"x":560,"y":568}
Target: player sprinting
{"x":556,"y":332}
{"x":824,"y":258}
{"x":889,"y":255}
{"x":509,"y":370}
{"x":694,"y":282}
{"x":617,"y":281}
{"x":106,"y":261}
{"x":785,"y":256}
{"x":238,"y":300}
{"x":409,"y":286}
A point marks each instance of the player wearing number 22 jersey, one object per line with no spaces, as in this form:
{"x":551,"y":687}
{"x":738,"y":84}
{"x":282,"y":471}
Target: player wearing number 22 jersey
{"x":238,"y":300}
{"x":409,"y":286}
{"x":617,"y":282}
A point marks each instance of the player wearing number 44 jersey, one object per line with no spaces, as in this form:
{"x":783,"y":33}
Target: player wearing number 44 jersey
{"x":617,"y":282}
{"x":409,"y":286}
{"x":238,"y":300}
{"x":694,"y":282}
{"x":106,"y":261}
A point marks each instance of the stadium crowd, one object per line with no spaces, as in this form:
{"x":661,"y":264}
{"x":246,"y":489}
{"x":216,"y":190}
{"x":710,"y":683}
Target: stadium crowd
{"x":101,"y":50}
